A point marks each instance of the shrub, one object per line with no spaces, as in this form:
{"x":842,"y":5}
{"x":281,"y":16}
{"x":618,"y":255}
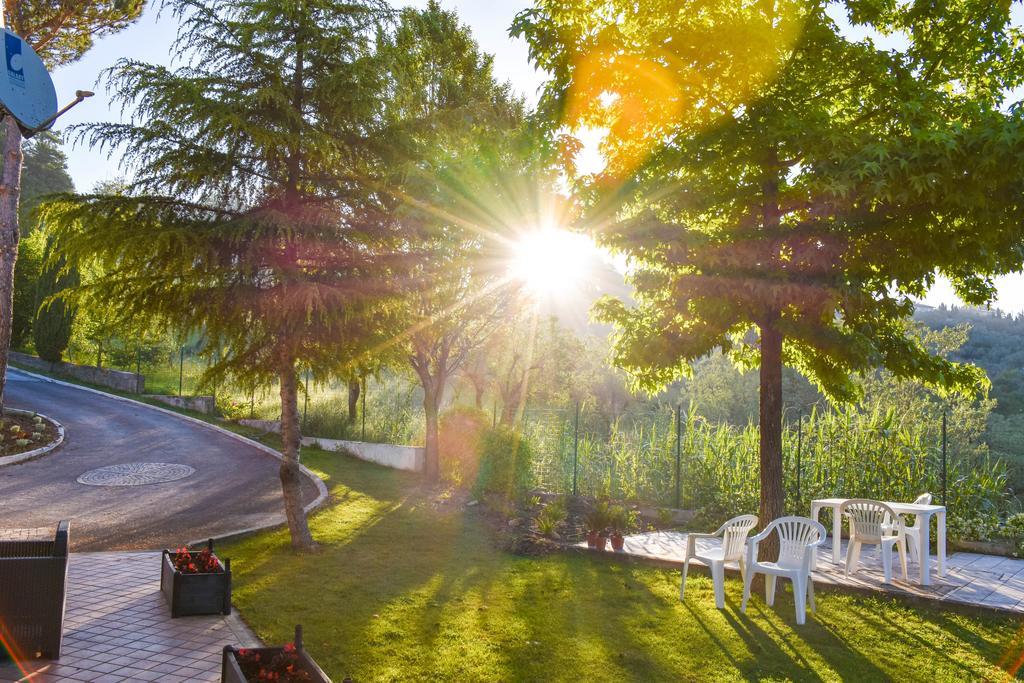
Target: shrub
{"x":974,"y":525}
{"x":460,"y":431}
{"x":1014,"y":528}
{"x":551,"y":516}
{"x":1015,"y":525}
{"x":618,"y":520}
{"x":597,"y":520}
{"x":505,"y":464}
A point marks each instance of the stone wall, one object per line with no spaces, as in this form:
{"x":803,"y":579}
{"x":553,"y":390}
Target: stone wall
{"x":206,"y":405}
{"x":120,"y":380}
{"x":409,"y":458}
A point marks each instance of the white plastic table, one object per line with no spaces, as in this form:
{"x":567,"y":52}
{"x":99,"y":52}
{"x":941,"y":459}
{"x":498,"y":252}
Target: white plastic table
{"x":924,"y":514}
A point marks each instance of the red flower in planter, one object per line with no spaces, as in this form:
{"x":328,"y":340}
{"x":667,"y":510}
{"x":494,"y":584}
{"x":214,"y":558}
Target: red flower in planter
{"x":203,"y":562}
{"x":282,"y":668}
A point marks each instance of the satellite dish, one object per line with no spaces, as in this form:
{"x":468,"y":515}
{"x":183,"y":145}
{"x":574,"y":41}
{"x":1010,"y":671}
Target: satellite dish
{"x":26,"y":90}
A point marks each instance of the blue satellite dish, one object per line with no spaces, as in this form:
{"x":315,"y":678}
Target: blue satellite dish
{"x":26,"y":90}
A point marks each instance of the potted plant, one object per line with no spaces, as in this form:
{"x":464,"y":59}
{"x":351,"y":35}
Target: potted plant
{"x":195,"y":581}
{"x":597,"y":521}
{"x":618,"y":521}
{"x":286,"y":664}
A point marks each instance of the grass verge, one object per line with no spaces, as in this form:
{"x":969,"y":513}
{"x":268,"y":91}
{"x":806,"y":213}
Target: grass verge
{"x":403,"y":592}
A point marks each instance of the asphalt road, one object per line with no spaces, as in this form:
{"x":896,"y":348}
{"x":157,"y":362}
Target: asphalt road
{"x":235,"y":486}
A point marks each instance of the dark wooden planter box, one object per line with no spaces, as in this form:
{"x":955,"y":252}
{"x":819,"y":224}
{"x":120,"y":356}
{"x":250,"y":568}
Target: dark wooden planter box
{"x":195,"y":594}
{"x":231,"y":672}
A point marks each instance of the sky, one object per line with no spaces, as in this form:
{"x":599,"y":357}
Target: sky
{"x":150,"y":40}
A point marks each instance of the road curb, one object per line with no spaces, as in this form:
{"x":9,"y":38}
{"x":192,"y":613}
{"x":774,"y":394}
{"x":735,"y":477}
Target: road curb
{"x":317,"y":481}
{"x":35,"y":452}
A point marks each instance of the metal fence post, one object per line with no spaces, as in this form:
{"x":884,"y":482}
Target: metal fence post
{"x":576,"y":448}
{"x":679,"y":454}
{"x":799,"y":448}
{"x":138,"y":369}
{"x":944,"y":456}
{"x":362,"y":412}
{"x":181,"y":369}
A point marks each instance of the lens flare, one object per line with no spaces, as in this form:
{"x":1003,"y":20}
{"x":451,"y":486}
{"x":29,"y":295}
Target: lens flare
{"x":551,"y":262}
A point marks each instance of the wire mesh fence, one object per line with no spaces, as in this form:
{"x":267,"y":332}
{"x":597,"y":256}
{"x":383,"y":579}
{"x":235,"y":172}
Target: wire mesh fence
{"x":660,"y":455}
{"x":674,"y":457}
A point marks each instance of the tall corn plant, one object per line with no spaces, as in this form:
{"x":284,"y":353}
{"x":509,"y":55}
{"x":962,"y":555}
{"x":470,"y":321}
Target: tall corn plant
{"x":855,"y":452}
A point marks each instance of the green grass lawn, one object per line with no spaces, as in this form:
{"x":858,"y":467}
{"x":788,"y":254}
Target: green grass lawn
{"x":404,"y":592}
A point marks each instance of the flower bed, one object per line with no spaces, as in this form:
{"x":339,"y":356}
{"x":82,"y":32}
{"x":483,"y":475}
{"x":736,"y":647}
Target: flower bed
{"x":286,"y":664}
{"x":195,"y":582}
{"x":22,"y":431}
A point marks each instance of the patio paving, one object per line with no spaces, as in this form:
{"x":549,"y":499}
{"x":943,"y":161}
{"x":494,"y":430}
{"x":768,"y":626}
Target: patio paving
{"x":971,"y":579}
{"x":118,"y":628}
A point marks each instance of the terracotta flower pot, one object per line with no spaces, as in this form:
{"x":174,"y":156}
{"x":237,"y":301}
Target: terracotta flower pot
{"x":618,"y":541}
{"x":592,"y":539}
{"x":602,"y":542}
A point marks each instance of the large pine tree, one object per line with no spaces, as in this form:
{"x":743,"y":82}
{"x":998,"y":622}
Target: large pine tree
{"x":247,"y":216}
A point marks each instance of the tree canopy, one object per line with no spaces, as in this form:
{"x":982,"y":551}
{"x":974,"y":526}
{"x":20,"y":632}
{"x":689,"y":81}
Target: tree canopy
{"x":781,"y":189}
{"x":60,"y":31}
{"x":247,"y":217}
{"x":45,"y":172}
{"x":457,"y":174}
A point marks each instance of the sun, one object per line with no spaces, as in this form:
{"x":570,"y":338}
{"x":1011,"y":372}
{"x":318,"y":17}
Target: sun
{"x":551,"y":262}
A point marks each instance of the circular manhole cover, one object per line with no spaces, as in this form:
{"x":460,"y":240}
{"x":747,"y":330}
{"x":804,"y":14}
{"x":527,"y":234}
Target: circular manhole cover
{"x":135,"y":474}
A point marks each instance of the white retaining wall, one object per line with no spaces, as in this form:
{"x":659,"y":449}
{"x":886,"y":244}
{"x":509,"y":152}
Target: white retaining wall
{"x":201,"y":404}
{"x":410,"y":458}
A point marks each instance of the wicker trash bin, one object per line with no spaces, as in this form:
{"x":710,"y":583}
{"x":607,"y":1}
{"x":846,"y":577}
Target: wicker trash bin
{"x":33,"y":582}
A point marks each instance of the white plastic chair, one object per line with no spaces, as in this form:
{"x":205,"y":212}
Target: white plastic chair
{"x":867,"y":526}
{"x":798,"y":537}
{"x":911,"y":531}
{"x":734,"y":537}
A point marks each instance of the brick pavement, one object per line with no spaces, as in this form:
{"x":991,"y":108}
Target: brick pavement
{"x":118,"y":627}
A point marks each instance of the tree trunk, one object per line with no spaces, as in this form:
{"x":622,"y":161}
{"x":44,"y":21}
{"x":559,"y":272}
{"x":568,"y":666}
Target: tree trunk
{"x":10,"y":195}
{"x":478,"y":391}
{"x":773,"y":500}
{"x":354,"y":386}
{"x":509,"y":408}
{"x":431,"y":407}
{"x":291,"y":475}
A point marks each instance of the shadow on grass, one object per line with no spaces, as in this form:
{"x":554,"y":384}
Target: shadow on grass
{"x":401,"y":591}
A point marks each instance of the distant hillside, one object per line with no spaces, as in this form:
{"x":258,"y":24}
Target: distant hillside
{"x":996,"y":343}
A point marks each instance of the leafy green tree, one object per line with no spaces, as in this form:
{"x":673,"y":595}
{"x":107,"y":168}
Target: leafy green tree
{"x":450,"y":127}
{"x":45,"y":172}
{"x":246,"y":217}
{"x":31,"y":250}
{"x":55,"y":316}
{"x":60,"y":31}
{"x":781,"y":189}
{"x":539,"y":361}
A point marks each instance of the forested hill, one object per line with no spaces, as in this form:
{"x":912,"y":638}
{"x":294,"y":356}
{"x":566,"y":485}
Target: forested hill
{"x":996,"y":343}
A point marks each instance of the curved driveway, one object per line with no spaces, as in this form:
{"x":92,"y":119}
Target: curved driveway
{"x":235,"y":486}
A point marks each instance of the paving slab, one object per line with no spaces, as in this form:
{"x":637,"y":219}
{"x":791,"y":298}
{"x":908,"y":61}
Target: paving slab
{"x":118,"y":627}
